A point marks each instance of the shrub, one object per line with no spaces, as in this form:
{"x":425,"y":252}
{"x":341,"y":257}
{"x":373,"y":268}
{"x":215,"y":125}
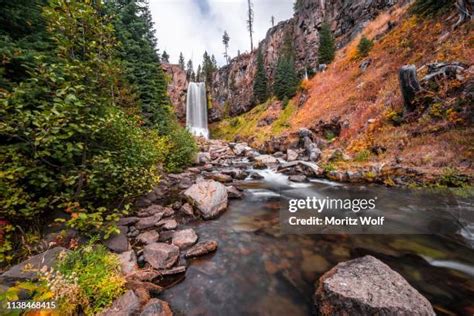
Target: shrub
{"x":96,"y":271}
{"x":181,"y":149}
{"x":364,"y":47}
{"x":362,"y":155}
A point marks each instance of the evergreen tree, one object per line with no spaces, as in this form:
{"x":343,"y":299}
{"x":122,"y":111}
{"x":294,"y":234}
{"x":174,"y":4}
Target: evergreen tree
{"x":327,"y":45}
{"x":199,"y":74}
{"x":364,"y":47}
{"x":189,"y":70}
{"x":225,"y":41}
{"x":134,"y":29}
{"x":286,"y":79}
{"x":209,"y":66}
{"x":260,"y":88}
{"x":181,"y":61}
{"x":165,"y":57}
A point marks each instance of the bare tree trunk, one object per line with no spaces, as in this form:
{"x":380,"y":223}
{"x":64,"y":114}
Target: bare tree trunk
{"x":465,"y":11}
{"x":409,"y":86}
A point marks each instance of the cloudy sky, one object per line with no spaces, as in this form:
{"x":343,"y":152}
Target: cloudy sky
{"x":193,"y":26}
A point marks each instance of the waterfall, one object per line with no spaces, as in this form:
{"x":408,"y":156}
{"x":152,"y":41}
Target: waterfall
{"x":196,"y":109}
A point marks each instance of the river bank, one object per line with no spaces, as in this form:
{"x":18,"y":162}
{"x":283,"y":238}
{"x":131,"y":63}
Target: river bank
{"x":209,"y":240}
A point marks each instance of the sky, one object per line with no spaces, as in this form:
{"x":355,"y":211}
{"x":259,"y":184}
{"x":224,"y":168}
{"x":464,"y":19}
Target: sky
{"x":194,"y":26}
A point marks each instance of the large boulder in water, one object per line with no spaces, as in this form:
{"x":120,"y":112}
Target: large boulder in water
{"x":367,"y":286}
{"x":210,"y":198}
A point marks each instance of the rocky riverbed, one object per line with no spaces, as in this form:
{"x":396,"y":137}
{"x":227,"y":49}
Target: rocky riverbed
{"x":207,"y":240}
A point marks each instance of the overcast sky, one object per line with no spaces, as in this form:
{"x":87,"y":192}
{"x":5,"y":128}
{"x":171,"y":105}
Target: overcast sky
{"x":193,"y":26}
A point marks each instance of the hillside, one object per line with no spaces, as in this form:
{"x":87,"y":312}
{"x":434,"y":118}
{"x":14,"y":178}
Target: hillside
{"x":360,"y":111}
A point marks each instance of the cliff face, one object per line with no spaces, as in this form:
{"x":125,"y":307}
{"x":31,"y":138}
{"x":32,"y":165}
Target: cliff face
{"x":232,"y":88}
{"x":177,"y":89}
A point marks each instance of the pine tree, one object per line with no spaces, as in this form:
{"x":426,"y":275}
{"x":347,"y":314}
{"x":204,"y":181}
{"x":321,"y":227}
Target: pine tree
{"x":260,"y":88}
{"x":181,"y":61}
{"x":225,"y":41}
{"x":327,"y":44}
{"x":165,"y":57}
{"x":199,"y":75}
{"x":134,"y":29}
{"x":364,"y":47}
{"x":286,"y":79}
{"x":189,"y":70}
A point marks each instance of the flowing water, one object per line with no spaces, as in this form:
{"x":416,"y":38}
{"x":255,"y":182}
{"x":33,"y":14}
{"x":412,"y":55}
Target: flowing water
{"x":196,"y":109}
{"x":257,"y":270}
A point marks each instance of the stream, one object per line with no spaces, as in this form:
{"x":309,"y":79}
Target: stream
{"x":257,"y":270}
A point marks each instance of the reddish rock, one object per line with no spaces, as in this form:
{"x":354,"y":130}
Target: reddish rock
{"x":161,"y":255}
{"x":167,"y":224}
{"x":125,"y":305}
{"x":128,"y":262}
{"x":187,"y":209}
{"x":156,"y":307}
{"x":202,"y":249}
{"x":177,"y":89}
{"x":148,"y":237}
{"x":233,"y":192}
{"x":367,"y":286}
{"x":184,"y":238}
{"x":210,"y":198}
{"x":148,"y":222}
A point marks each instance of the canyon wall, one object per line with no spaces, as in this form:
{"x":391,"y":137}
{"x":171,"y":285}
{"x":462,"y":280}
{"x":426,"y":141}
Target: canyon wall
{"x":177,"y":89}
{"x":232,"y":88}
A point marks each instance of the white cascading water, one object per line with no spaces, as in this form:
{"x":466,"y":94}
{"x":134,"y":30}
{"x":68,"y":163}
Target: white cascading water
{"x":196,"y":109}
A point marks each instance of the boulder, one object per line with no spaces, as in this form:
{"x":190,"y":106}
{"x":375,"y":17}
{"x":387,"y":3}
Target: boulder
{"x":148,"y":222}
{"x":160,"y":255}
{"x":156,"y":307}
{"x":119,"y":242}
{"x":28,"y":269}
{"x":233,"y":192}
{"x":125,"y":305}
{"x":220,"y":177}
{"x":184,"y":238}
{"x":367,"y":286}
{"x":187,"y":209}
{"x":210,"y":198}
{"x":298,"y":178}
{"x":267,"y":160}
{"x":173,"y":271}
{"x":202,"y":249}
{"x":291,"y":155}
{"x":148,"y":237}
{"x":203,"y":158}
{"x":167,"y":224}
{"x":127,"y":221}
{"x":256,"y":176}
{"x":128,"y":262}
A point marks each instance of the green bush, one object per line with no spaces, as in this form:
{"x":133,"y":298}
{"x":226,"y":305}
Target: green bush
{"x":362,"y":155}
{"x":364,"y":47}
{"x":97,"y":273}
{"x":181,"y":149}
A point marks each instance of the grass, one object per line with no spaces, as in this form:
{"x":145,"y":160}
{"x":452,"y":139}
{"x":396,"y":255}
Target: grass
{"x":97,"y":273}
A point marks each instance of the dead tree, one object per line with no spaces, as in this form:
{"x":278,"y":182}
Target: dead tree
{"x":409,"y":86}
{"x":465,"y":11}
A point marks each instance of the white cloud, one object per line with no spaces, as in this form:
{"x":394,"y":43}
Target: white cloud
{"x":184,"y":26}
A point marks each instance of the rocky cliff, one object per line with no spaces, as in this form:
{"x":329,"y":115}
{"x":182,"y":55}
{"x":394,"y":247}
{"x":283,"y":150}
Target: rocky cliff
{"x":177,"y":88}
{"x":232,"y":88}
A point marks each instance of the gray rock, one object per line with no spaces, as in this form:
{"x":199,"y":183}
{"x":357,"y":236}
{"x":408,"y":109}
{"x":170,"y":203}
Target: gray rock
{"x":148,"y":237}
{"x":125,"y":305}
{"x":184,"y":238}
{"x":28,"y":269}
{"x":202,"y":249}
{"x":173,"y":271}
{"x":256,"y":176}
{"x":220,"y":177}
{"x":267,"y":160}
{"x":167,"y":224}
{"x":210,"y":198}
{"x":203,"y":158}
{"x":161,"y":255}
{"x":119,"y":242}
{"x":126,"y":221}
{"x":156,"y":307}
{"x":291,"y":155}
{"x":128,"y":262}
{"x":148,"y":222}
{"x":367,"y":286}
{"x":187,"y":209}
{"x":298,"y":178}
{"x":233,"y":192}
